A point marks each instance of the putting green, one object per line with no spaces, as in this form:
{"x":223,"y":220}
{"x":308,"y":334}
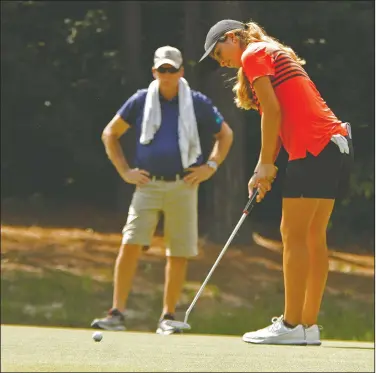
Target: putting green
{"x":34,"y":349}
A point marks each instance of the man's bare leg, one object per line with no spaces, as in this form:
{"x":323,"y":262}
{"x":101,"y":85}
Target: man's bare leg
{"x":175,"y":274}
{"x":125,"y":269}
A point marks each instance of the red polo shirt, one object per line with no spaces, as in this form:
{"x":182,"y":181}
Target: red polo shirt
{"x":307,"y":122}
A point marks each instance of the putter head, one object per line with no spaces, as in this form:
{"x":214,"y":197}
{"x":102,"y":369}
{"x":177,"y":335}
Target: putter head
{"x":177,"y":324}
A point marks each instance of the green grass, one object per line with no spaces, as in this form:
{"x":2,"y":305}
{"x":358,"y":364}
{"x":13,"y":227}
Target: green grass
{"x":58,"y":298}
{"x":32,"y":349}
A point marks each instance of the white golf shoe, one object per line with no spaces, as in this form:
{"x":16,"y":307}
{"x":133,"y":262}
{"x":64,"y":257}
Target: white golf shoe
{"x":277,"y":334}
{"x":313,"y":335}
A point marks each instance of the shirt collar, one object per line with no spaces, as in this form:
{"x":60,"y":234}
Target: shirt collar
{"x":173,"y":100}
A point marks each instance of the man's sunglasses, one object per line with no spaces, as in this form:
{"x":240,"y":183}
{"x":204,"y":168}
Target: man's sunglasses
{"x":171,"y":70}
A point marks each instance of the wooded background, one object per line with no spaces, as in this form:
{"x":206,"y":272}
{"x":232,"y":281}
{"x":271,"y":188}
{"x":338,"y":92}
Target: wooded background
{"x":66,"y":68}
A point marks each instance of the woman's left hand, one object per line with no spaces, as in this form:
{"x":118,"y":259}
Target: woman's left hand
{"x":262,"y":179}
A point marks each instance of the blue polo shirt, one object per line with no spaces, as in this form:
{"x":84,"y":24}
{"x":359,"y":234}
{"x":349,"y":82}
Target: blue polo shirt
{"x":161,"y":156}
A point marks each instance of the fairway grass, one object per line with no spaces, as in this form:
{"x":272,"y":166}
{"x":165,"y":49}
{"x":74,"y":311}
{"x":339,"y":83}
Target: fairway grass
{"x":42,"y":349}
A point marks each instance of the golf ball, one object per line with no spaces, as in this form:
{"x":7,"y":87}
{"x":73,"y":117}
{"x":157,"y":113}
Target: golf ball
{"x":97,"y":336}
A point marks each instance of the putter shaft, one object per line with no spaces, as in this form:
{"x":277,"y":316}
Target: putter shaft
{"x":246,"y":211}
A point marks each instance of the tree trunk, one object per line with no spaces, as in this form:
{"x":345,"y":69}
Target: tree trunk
{"x":131,"y":29}
{"x":192,"y":13}
{"x":131,"y":45}
{"x":229,"y":185}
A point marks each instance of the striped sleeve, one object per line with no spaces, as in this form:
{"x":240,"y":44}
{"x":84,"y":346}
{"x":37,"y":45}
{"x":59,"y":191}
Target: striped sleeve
{"x":286,"y":68}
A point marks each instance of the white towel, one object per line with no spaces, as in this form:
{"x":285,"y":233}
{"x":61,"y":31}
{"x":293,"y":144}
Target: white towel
{"x":189,"y":142}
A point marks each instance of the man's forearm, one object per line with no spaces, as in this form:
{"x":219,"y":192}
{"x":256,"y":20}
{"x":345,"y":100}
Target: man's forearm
{"x":270,"y":143}
{"x":115,"y":154}
{"x":221,"y":148}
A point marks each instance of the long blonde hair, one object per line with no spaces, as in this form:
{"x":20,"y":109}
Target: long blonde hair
{"x":244,"y":98}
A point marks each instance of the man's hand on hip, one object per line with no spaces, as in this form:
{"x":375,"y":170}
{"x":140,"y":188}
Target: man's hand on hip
{"x":136,"y":176}
{"x":199,"y":174}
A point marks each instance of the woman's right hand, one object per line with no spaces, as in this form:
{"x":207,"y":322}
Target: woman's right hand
{"x":262,"y":179}
{"x":136,"y":176}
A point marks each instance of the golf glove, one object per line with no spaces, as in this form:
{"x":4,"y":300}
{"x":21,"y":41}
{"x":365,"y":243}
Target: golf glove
{"x":342,"y":143}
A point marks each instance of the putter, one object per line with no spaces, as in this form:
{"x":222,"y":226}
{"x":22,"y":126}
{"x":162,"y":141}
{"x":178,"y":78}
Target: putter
{"x":247,"y":209}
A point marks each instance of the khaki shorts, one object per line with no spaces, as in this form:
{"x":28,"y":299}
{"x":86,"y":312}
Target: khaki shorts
{"x":178,"y":202}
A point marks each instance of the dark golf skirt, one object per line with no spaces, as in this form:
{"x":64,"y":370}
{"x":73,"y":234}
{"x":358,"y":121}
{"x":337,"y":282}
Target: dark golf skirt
{"x":325,"y":176}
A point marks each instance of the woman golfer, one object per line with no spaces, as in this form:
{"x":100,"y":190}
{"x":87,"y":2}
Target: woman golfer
{"x":271,"y":80}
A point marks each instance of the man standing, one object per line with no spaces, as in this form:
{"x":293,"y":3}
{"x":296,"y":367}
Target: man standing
{"x":169,"y":166}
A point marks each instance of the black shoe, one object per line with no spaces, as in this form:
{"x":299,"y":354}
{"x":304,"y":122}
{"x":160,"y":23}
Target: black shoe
{"x":165,"y":329}
{"x":113,"y":321}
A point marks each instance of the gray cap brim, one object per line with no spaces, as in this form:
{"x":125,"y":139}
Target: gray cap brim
{"x":208,"y":51}
{"x":166,"y":61}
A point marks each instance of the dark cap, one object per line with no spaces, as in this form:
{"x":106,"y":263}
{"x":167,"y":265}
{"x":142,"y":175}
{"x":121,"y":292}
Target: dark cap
{"x":217,"y":31}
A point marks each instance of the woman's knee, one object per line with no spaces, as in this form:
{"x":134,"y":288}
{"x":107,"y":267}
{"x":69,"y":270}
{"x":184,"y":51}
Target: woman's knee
{"x":297,"y":216}
{"x":317,"y":245}
{"x":293,"y":234}
{"x":316,"y":237}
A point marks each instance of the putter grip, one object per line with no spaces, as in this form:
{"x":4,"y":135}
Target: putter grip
{"x":251,"y":202}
